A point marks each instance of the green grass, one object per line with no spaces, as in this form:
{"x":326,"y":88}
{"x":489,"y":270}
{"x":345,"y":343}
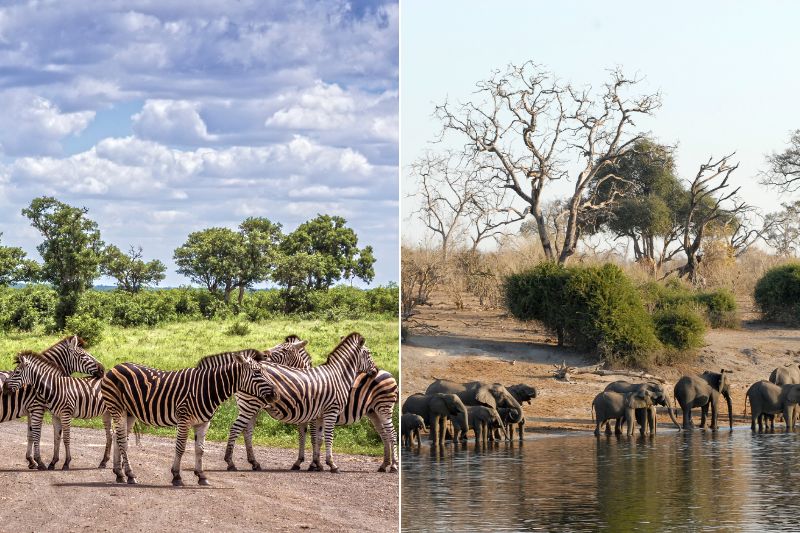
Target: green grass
{"x":180,"y":344}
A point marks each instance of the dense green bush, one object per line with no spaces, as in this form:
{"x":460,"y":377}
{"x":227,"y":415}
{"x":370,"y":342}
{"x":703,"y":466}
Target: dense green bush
{"x":718,"y":307}
{"x":239,"y":329}
{"x":680,"y":327}
{"x":777,"y":293}
{"x":593,"y":308}
{"x":24,"y":309}
{"x":89,"y":328}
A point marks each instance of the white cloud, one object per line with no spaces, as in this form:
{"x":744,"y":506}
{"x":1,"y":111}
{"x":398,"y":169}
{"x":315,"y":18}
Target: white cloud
{"x":171,"y":121}
{"x":323,"y":106}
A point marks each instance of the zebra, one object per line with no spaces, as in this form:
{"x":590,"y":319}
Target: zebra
{"x":69,"y":356}
{"x":373,"y":397}
{"x":65,"y":397}
{"x":182,"y":398}
{"x":316,"y":394}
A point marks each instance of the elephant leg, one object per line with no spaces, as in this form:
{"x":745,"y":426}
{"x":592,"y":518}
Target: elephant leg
{"x":703,"y":415}
{"x":753,"y":418}
{"x":714,"y":414}
{"x":597,"y":427}
{"x":687,"y":417}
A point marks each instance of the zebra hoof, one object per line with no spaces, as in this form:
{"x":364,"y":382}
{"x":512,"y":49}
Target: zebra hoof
{"x":120,"y":479}
{"x":51,"y":466}
{"x":177,"y":482}
{"x":295,"y":467}
{"x":382,"y":468}
{"x":334,"y":469}
{"x":313,"y":467}
{"x":232,"y":468}
{"x":204,"y":482}
{"x":257,"y":467}
{"x":65,"y":467}
{"x":132,"y":480}
{"x":102,"y":465}
{"x":393,"y":469}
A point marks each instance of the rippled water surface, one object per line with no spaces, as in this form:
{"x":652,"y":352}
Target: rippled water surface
{"x":687,"y":481}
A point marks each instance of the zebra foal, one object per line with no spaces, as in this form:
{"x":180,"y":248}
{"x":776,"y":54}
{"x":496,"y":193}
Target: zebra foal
{"x":65,"y":397}
{"x":183,"y":398}
{"x":69,"y":356}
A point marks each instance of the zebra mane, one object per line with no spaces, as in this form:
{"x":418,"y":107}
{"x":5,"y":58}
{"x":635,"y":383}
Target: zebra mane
{"x":36,"y":356}
{"x":226,"y":357}
{"x":341,"y":349}
{"x":81,"y":342}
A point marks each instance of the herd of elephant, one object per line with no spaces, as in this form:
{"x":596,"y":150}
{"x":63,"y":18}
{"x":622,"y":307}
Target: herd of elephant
{"x":488,"y":409}
{"x":491,"y":411}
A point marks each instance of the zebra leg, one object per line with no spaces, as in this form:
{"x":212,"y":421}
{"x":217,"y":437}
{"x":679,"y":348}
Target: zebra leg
{"x":388,"y":437}
{"x":65,"y":425}
{"x":123,"y":430}
{"x":35,"y":417}
{"x":329,"y":423}
{"x":301,"y":451}
{"x":107,"y":452}
{"x":180,"y":447}
{"x":56,"y":441}
{"x":248,"y":442}
{"x":241,"y":423}
{"x":29,"y":450}
{"x":199,"y":442}
{"x":316,"y":443}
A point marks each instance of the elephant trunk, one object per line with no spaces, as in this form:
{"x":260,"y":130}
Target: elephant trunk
{"x":730,"y":409}
{"x":465,"y":422}
{"x":671,"y":412}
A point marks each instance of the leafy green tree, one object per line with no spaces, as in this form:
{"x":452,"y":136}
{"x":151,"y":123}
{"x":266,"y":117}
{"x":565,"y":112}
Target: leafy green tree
{"x":331,"y":253}
{"x":130,"y":270}
{"x":645,"y":202}
{"x":261,"y":240}
{"x":71,"y":251}
{"x":212,"y":257}
{"x":14,"y":267}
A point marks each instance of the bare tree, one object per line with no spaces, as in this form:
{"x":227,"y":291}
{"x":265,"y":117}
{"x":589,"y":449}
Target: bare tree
{"x":489,"y":216}
{"x":525,"y":128}
{"x":708,"y":196}
{"x":784,"y":167}
{"x":782,"y":230}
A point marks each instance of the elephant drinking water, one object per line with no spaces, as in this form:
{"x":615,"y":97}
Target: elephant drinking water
{"x":616,"y":406}
{"x":659,"y":396}
{"x":492,"y":395}
{"x":434,"y":410}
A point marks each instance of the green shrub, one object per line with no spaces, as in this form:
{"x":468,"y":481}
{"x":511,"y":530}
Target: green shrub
{"x":89,"y":328}
{"x":26,"y":308}
{"x":777,"y":293}
{"x":681,"y":327}
{"x":720,"y":308}
{"x":238,"y":329}
{"x":593,"y":308}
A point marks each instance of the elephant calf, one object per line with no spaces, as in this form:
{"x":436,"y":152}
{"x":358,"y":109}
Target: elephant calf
{"x":615,"y":406}
{"x":769,"y":399}
{"x":435,"y":410}
{"x":410,"y":424}
{"x":481,"y":420}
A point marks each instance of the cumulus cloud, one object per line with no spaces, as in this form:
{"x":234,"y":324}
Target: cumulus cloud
{"x":171,"y":121}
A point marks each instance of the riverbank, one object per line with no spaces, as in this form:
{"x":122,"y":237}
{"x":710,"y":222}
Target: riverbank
{"x":471,"y":344}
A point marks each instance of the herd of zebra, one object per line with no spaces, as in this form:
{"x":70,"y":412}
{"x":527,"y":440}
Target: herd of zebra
{"x":280,"y":380}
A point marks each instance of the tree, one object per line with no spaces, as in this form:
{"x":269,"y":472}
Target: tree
{"x":14,"y":267}
{"x":130,"y":270}
{"x":212,"y":257}
{"x":320,"y":252}
{"x":784,"y":167}
{"x":261,"y":239}
{"x":527,"y":127}
{"x":782,"y":230}
{"x":650,"y":202}
{"x":71,"y":251}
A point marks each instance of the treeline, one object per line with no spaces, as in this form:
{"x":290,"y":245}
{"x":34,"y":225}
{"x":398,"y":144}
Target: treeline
{"x":304,"y":264}
{"x":33,"y":306}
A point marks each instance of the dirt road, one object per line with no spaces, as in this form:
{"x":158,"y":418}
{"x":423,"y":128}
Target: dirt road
{"x":85,"y":498}
{"x":473,"y":344}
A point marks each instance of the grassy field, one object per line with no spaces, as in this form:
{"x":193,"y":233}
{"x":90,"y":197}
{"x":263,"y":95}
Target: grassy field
{"x":181,"y":344}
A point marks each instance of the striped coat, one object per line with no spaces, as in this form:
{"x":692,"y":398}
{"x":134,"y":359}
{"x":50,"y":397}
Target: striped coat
{"x":373,"y":397}
{"x":183,"y":398}
{"x":65,"y":396}
{"x":69,"y":355}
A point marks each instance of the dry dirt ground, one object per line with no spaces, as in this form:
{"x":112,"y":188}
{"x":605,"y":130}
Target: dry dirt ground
{"x":85,"y":498}
{"x":474,"y":344}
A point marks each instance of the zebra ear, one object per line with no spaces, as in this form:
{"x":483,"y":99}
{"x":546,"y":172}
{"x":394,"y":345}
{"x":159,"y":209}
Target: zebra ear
{"x":73,"y":342}
{"x":300,"y":344}
{"x":241,"y":359}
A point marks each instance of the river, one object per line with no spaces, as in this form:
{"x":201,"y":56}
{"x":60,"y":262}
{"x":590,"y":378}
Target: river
{"x":675,"y":481}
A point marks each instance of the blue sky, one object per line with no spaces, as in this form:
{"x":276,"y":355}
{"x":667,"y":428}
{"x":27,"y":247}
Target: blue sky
{"x":167,"y":117}
{"x":726,"y":71}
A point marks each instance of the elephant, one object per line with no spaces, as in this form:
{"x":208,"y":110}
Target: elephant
{"x":610,"y":405}
{"x":769,"y":399}
{"x":410,"y":424}
{"x":506,"y":415}
{"x":701,"y":391}
{"x":434,"y":410}
{"x":785,"y":375}
{"x":659,"y":398}
{"x":481,"y":420}
{"x":523,"y":394}
{"x":478,"y":393}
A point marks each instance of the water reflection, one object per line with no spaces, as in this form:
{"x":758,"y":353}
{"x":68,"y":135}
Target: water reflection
{"x":676,"y":481}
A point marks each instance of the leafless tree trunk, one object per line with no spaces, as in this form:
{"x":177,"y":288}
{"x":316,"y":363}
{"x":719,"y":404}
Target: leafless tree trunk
{"x":784,"y":167}
{"x":525,"y":128}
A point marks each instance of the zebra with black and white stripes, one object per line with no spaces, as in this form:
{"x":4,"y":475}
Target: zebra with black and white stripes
{"x":317,"y":394}
{"x":66,"y":397}
{"x":69,"y":356}
{"x":183,"y":398}
{"x":370,"y":396}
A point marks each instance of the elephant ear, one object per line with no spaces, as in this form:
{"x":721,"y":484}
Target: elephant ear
{"x":484,"y":397}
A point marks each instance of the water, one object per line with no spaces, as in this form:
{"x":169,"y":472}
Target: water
{"x":676,"y":481}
